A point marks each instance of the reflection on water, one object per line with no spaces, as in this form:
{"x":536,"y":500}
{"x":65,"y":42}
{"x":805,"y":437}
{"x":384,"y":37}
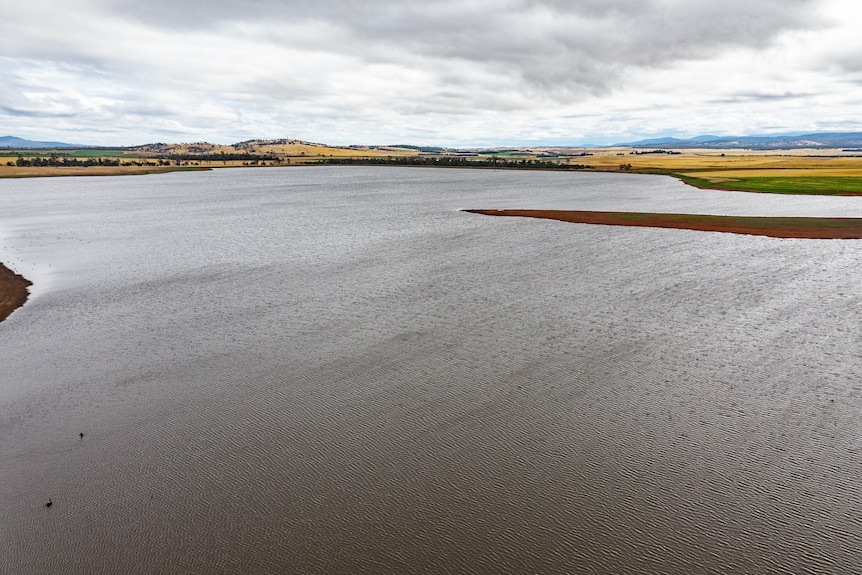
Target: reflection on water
{"x":333,"y":370}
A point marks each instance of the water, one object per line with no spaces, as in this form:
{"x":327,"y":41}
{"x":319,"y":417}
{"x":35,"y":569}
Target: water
{"x":334,"y":370}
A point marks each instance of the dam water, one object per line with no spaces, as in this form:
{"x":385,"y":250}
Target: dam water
{"x":335,"y":370}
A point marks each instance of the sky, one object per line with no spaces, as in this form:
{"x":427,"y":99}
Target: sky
{"x":456,"y":73}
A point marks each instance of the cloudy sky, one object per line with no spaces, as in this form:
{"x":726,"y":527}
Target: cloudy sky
{"x":445,"y":72}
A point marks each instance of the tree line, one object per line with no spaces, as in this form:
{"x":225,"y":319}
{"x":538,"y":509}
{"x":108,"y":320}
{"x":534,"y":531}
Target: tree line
{"x":456,"y":161}
{"x":64,"y":161}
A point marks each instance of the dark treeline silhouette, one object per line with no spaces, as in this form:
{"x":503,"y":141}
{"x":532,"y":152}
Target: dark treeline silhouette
{"x":456,"y":161}
{"x":64,"y":161}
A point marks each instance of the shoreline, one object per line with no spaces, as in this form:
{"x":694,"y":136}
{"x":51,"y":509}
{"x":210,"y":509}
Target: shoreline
{"x":769,"y":226}
{"x":94,"y":171}
{"x":13,"y":291}
{"x":689,"y":179}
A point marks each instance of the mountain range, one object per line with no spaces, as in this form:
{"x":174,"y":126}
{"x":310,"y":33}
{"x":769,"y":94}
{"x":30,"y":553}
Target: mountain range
{"x":827,"y":140}
{"x":13,"y":142}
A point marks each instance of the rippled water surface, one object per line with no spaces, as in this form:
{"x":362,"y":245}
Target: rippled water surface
{"x":334,"y":370}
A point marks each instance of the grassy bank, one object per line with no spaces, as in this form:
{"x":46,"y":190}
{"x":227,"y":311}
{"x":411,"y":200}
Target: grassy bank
{"x":807,"y":185}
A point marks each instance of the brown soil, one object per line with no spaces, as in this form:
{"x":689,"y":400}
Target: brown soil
{"x":13,"y":291}
{"x":776,"y":227}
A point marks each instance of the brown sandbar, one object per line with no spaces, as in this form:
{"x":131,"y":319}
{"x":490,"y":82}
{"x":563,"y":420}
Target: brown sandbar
{"x":775,"y":227}
{"x":13,"y":291}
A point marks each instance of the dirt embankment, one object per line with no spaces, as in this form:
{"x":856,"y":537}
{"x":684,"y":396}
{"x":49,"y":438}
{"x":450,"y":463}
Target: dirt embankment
{"x":776,"y":227}
{"x":13,"y":291}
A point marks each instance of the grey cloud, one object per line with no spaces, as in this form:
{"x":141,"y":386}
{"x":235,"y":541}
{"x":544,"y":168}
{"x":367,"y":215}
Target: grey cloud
{"x":760,"y":97}
{"x":849,"y":63}
{"x":559,"y":48}
{"x":141,"y":109}
{"x":554,"y":49}
{"x":354,"y":67}
{"x":35,"y":113}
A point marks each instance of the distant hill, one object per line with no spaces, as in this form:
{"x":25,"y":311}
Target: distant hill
{"x":13,"y":142}
{"x":290,"y":147}
{"x":262,"y":148}
{"x":829,"y":140}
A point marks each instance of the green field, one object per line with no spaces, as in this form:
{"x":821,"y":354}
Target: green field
{"x":97,"y":153}
{"x":811,"y":185}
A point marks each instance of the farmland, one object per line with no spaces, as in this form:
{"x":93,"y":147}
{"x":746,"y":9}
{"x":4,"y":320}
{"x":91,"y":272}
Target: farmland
{"x":820,"y":172}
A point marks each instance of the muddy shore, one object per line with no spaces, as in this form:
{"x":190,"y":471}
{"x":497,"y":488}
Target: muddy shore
{"x":776,"y":227}
{"x":13,"y":291}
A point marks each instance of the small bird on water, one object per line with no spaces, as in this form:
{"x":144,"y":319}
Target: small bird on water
{"x":82,"y":435}
{"x":49,"y":504}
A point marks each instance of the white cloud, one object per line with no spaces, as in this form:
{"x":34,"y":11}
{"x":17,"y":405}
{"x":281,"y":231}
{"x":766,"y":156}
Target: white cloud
{"x":447,"y":72}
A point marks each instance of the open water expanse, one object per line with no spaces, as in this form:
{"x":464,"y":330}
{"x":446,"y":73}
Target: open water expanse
{"x":334,"y":371}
